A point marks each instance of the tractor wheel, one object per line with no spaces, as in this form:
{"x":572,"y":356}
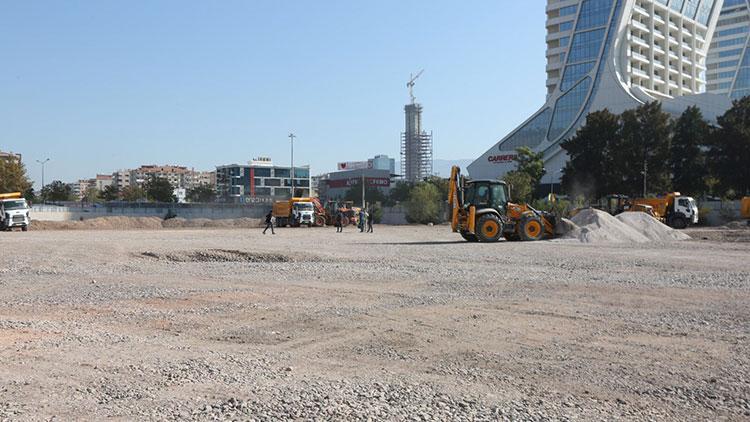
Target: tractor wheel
{"x":320,"y":221}
{"x":489,"y":228}
{"x":344,"y":221}
{"x":469,"y":237}
{"x":531,"y":228}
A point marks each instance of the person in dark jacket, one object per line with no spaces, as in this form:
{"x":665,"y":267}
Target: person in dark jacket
{"x":270,"y":220}
{"x":369,"y":221}
{"x":339,"y":223}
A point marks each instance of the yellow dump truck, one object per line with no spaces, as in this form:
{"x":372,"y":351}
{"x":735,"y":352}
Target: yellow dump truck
{"x":745,"y":208}
{"x":295,"y":212}
{"x":673,"y":209}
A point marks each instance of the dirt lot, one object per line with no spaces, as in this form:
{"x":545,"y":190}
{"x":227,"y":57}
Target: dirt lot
{"x":408,"y":323}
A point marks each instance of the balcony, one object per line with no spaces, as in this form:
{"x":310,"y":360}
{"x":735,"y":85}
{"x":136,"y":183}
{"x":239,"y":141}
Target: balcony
{"x":638,"y":72}
{"x":640,"y":41}
{"x":641,"y":10}
{"x":635,"y":24}
{"x":640,"y":57}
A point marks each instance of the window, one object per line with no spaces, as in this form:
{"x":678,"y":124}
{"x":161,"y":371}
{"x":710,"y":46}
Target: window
{"x":586,"y":46}
{"x":594,"y":14}
{"x":262,"y":172}
{"x":281,"y":172}
{"x":574,"y":73}
{"x":498,"y":197}
{"x":272,"y":182}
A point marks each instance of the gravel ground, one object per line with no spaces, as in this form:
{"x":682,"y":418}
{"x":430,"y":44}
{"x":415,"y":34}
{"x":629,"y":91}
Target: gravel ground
{"x":407,"y":324}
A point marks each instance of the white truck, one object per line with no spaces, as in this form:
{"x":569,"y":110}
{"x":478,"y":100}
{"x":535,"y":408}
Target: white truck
{"x":14,"y":212}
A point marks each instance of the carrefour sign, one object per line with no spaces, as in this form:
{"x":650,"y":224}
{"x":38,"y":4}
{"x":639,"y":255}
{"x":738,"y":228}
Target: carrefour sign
{"x":502,"y":158}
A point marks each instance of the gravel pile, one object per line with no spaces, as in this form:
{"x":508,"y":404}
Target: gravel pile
{"x":653,"y":229}
{"x":595,"y":226}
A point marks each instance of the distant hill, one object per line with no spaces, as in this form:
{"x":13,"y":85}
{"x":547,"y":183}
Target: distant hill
{"x":442,"y":168}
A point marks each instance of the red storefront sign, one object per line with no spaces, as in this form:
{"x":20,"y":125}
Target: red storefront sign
{"x":378,"y":182}
{"x":501,"y":159}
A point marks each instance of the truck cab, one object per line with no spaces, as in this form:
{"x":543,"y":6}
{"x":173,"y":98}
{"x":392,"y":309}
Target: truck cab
{"x":14,"y":212}
{"x":683,"y":212}
{"x":303,"y":213}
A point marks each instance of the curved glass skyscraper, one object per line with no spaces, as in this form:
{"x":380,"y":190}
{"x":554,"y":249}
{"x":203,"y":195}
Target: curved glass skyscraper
{"x":728,"y":57}
{"x":613,"y":54}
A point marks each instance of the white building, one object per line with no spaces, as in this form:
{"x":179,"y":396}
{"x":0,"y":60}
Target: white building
{"x":728,"y":62}
{"x":618,"y":55}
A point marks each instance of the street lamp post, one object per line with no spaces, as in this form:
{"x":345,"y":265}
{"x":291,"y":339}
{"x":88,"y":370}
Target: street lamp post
{"x":42,"y":162}
{"x":291,"y":138}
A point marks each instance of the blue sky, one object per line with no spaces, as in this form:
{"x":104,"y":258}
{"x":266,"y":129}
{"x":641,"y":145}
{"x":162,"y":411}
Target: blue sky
{"x":102,"y":85}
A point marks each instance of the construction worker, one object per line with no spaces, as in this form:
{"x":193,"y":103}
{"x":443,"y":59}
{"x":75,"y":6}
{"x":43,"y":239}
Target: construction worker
{"x":339,"y":225}
{"x":369,"y":221}
{"x":362,"y":220}
{"x":270,"y":220}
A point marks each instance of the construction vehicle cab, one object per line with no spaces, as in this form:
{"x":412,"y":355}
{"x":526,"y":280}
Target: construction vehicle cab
{"x":673,"y":209}
{"x":482,"y":211}
{"x":14,"y":212}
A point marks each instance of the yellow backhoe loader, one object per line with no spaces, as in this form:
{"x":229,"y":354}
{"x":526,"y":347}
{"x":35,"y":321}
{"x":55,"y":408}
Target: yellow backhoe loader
{"x":482,"y":211}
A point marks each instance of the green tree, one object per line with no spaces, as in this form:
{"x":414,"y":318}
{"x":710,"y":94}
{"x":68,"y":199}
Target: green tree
{"x":521,"y":186}
{"x":133,"y":194}
{"x":158,"y":189}
{"x":584,"y":174}
{"x":110,"y":193}
{"x":687,"y":157}
{"x":13,"y":176}
{"x":57,"y":191}
{"x":30,"y":195}
{"x":372,"y":194}
{"x":401,"y":192}
{"x":730,"y":149}
{"x":201,"y":194}
{"x":531,"y":163}
{"x":92,"y":196}
{"x":655,"y":130}
{"x":423,"y":205}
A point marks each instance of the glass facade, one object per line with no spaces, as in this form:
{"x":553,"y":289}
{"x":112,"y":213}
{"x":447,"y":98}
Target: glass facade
{"x":568,"y":107}
{"x":531,"y":134}
{"x":574,"y":73}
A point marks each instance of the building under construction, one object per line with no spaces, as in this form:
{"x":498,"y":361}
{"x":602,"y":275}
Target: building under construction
{"x":416,"y":144}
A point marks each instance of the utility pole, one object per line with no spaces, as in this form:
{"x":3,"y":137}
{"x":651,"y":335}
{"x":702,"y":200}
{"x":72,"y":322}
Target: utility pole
{"x":645,"y":173}
{"x":363,"y":188}
{"x":43,"y":162}
{"x":291,"y":137}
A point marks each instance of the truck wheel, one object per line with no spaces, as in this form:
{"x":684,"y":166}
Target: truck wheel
{"x":25,"y":228}
{"x":679,"y":223}
{"x":489,"y":228}
{"x":469,"y":237}
{"x":531,"y":228}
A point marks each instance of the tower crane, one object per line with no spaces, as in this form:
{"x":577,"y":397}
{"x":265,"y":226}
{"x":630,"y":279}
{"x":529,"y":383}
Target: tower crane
{"x":411,"y":83}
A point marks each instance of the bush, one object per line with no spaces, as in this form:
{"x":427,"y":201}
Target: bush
{"x":560,"y":208}
{"x":521,"y":186}
{"x":423,"y":206}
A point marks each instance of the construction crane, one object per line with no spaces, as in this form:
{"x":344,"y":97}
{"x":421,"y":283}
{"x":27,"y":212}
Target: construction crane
{"x":411,"y":83}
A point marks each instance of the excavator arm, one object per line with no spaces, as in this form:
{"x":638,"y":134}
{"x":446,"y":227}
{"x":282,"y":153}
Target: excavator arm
{"x":461,"y":220}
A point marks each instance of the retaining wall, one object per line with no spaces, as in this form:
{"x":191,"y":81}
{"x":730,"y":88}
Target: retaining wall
{"x":187,"y":211}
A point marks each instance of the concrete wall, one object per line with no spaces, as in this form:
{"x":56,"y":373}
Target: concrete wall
{"x":188,"y":211}
{"x":394,"y":216}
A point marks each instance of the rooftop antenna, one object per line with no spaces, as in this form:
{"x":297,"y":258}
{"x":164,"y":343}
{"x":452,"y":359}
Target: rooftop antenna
{"x":411,"y":83}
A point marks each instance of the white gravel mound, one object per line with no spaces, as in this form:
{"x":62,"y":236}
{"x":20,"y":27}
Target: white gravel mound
{"x":597,"y":226}
{"x":653,"y":229}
